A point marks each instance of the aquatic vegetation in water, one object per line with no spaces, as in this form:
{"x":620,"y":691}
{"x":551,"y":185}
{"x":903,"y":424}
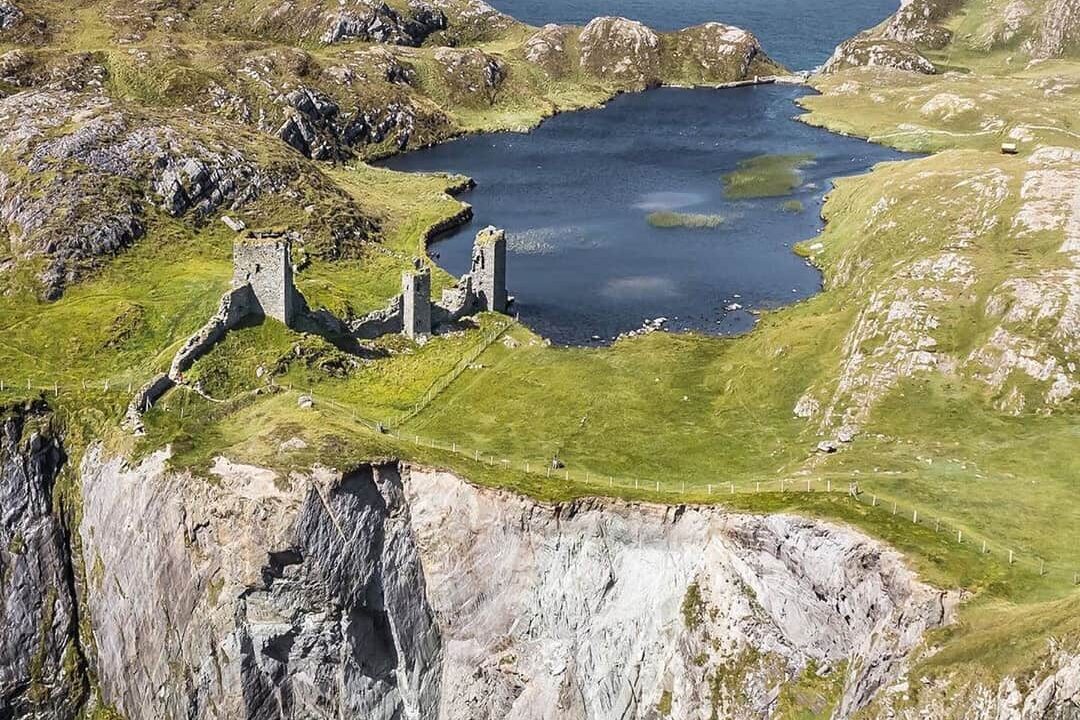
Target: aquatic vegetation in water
{"x":668,"y":219}
{"x":793,"y":206}
{"x":766,"y":176}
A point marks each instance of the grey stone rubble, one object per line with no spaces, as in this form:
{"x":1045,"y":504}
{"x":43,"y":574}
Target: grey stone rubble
{"x":263,"y":287}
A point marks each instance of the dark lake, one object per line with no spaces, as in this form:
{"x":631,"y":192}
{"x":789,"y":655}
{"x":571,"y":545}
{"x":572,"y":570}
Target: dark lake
{"x":575,"y":198}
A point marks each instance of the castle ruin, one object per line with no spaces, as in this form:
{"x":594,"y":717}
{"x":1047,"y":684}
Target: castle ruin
{"x":489,"y":269}
{"x":263,"y":261}
{"x":413,"y":314}
{"x":262,"y":287}
{"x":416,"y":302}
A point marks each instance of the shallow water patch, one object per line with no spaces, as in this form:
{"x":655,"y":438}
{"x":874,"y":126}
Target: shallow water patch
{"x":576,"y":197}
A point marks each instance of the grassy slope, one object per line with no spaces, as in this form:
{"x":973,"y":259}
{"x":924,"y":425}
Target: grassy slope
{"x":678,"y":409}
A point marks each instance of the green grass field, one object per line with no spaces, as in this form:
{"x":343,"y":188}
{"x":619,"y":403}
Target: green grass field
{"x":920,"y":342}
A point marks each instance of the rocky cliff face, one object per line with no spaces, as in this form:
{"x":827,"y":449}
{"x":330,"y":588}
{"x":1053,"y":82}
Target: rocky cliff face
{"x":404,"y":593}
{"x":41,"y":663}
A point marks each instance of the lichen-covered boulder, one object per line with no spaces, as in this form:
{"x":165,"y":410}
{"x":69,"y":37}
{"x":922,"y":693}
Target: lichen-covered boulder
{"x":715,"y":52}
{"x":10,"y":15}
{"x":878,"y":52}
{"x":622,"y":50}
{"x":471,"y":75}
{"x":549,"y":48}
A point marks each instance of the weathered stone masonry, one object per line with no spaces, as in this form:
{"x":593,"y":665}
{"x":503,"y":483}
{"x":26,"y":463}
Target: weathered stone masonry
{"x":263,"y":287}
{"x":413,"y":313}
{"x":416,"y":302}
{"x":263,"y":262}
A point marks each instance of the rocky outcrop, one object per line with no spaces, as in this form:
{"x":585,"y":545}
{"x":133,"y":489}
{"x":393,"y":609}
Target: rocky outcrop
{"x":78,"y":173}
{"x":621,"y":50}
{"x":10,"y":15}
{"x":309,"y":123}
{"x":471,"y":75}
{"x":42,"y":671}
{"x":381,"y":23}
{"x":1058,"y":31}
{"x":549,"y":47}
{"x":399,"y":592}
{"x":633,"y":56}
{"x":921,"y":23}
{"x":866,"y":51}
{"x":717,"y":53}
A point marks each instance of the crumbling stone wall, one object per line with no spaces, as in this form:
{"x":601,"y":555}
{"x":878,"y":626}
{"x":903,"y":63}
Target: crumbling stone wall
{"x":235,"y":306}
{"x":263,"y":261}
{"x":387,"y":321}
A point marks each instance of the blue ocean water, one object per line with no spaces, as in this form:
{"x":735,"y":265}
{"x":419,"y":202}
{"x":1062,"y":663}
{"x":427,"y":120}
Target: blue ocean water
{"x":799,"y":33}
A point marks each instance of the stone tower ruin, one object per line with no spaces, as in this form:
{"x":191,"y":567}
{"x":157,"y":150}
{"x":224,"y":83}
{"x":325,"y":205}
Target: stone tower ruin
{"x":416,"y":302}
{"x":489,"y":269}
{"x":264,"y":261}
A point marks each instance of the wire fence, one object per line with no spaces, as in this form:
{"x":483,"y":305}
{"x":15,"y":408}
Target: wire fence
{"x":546,"y":470}
{"x":552,"y":470}
{"x":464,"y":364}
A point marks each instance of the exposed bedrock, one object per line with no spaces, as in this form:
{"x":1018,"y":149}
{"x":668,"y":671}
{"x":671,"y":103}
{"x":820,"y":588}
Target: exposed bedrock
{"x":393,"y":592}
{"x":41,"y":663}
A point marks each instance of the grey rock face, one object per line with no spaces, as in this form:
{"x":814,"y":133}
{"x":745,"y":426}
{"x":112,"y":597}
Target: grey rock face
{"x":878,"y":52}
{"x":381,"y":23}
{"x":598,"y":609}
{"x":41,"y":664}
{"x":390,"y":593}
{"x":10,"y":15}
{"x":257,"y":597}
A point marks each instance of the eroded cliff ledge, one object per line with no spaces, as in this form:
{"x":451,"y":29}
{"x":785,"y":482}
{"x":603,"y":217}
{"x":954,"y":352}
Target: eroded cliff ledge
{"x":395,"y":591}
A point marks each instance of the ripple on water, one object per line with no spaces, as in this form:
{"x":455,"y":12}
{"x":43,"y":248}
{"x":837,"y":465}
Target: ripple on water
{"x":575,"y":198}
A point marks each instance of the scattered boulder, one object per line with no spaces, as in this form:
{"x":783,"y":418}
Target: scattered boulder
{"x":828,"y":447}
{"x":382,"y":24}
{"x":878,"y":52}
{"x":715,"y":52}
{"x":549,"y":48}
{"x":946,"y":107}
{"x":305,"y":402}
{"x":10,"y":15}
{"x":623,"y":50}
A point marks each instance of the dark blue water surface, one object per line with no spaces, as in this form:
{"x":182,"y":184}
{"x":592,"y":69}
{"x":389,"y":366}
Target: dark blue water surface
{"x":798,"y":33}
{"x":574,"y":195}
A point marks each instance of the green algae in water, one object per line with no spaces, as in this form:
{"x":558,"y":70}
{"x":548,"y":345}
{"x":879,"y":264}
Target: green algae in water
{"x":766,"y":176}
{"x":665,"y":219}
{"x":793,"y":206}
